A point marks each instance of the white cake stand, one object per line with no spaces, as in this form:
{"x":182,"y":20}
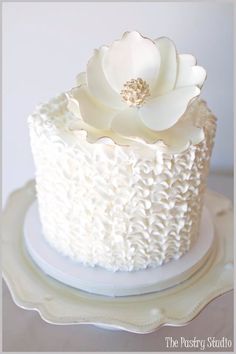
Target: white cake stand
{"x":209,"y":276}
{"x":100,"y":281}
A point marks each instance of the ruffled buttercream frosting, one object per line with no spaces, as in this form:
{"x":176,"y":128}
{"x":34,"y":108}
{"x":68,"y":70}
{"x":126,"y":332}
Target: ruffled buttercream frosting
{"x":121,"y":207}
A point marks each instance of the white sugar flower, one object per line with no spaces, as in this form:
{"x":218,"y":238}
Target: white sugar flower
{"x":138,"y":89}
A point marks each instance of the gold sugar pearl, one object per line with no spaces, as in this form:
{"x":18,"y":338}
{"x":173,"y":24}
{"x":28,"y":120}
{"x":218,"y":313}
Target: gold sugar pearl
{"x":135,"y":92}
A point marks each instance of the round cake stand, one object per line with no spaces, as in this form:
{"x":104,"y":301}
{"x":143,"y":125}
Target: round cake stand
{"x":58,"y":303}
{"x":100,"y":281}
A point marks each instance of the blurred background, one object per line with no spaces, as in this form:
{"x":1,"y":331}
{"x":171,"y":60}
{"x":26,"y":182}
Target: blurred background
{"x":45,"y":45}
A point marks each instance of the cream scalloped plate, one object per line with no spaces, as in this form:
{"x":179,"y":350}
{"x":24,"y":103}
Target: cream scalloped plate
{"x":58,"y":303}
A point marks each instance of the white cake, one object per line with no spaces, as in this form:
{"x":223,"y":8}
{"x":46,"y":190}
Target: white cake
{"x":120,"y":184}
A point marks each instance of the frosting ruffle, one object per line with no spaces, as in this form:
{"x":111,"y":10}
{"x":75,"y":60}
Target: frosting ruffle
{"x":116,"y":206}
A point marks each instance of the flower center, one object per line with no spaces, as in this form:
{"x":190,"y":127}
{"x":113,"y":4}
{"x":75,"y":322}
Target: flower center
{"x":135,"y":92}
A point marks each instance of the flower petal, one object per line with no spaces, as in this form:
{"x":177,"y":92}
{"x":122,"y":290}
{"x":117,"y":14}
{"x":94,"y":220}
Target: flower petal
{"x":73,"y":107}
{"x":81,"y":79}
{"x":164,"y":111}
{"x":127,"y":123}
{"x":188,"y":72}
{"x":130,"y":58}
{"x":97,"y":82}
{"x":127,"y":129}
{"x":178,"y":137}
{"x":94,"y":135}
{"x":168,"y":67}
{"x":73,"y":103}
{"x":92,"y":112}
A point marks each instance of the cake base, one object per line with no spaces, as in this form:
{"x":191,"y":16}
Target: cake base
{"x":59,"y":304}
{"x":100,"y":281}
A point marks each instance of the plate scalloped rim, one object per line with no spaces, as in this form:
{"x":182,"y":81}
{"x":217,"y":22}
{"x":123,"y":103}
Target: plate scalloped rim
{"x":60,"y":304}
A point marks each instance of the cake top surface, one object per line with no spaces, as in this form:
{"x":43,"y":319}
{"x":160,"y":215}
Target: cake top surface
{"x":137,"y":89}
